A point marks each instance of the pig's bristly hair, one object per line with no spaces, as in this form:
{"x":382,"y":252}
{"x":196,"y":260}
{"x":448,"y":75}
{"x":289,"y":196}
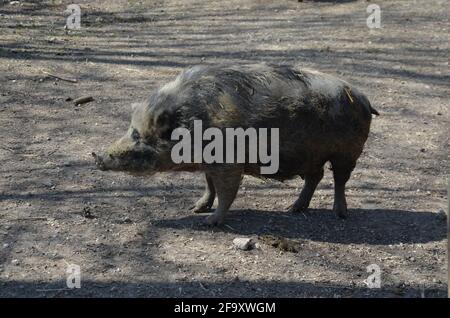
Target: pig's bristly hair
{"x":251,"y":95}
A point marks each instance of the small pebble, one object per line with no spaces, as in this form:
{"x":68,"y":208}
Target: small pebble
{"x":47,"y":183}
{"x":126,"y":220}
{"x":243,"y":243}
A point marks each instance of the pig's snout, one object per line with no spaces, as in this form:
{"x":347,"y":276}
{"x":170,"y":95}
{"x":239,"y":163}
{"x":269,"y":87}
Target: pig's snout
{"x":99,"y":161}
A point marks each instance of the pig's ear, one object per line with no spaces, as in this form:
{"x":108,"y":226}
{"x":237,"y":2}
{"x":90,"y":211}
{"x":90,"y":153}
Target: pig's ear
{"x":165,"y":123}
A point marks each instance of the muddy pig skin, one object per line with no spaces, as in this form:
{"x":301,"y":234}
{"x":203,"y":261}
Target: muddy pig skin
{"x":320,"y":118}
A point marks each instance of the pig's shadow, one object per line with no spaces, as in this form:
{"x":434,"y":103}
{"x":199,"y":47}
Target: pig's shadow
{"x":363,"y":226}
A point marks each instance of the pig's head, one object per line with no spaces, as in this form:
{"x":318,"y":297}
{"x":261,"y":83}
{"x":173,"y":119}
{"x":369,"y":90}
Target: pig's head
{"x":145,"y":147}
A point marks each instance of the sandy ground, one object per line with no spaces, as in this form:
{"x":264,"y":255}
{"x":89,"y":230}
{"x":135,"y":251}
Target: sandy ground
{"x":141,"y":240}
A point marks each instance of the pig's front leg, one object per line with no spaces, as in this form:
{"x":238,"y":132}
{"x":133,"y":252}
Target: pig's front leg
{"x":205,"y":203}
{"x":226,"y":181}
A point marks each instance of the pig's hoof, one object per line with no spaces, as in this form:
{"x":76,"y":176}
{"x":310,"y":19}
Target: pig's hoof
{"x":298,"y":207}
{"x":201,"y":208}
{"x":213,"y":220}
{"x":340,"y":212}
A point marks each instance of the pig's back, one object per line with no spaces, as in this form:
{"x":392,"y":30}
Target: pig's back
{"x":259,"y":92}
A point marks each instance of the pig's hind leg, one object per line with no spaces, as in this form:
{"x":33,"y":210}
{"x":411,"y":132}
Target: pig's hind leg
{"x":311,"y":182}
{"x":205,"y":203}
{"x":342,"y":169}
{"x":226,"y":182}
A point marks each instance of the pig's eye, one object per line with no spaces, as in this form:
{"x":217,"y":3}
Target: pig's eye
{"x":135,"y":135}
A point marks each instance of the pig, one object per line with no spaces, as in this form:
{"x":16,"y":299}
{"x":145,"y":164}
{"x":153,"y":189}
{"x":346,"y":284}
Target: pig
{"x":320,"y":119}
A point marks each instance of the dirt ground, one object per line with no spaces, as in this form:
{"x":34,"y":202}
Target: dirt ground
{"x":134,"y":236}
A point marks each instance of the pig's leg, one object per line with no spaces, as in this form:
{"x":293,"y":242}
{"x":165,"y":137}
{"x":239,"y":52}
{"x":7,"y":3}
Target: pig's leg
{"x":341,"y":173}
{"x":206,"y":201}
{"x":311,"y":182}
{"x":226,"y":182}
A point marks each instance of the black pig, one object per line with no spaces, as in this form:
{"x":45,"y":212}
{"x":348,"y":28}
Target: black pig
{"x":320,"y":118}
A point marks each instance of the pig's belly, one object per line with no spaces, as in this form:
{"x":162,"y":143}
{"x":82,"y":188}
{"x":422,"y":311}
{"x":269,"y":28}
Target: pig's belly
{"x":290,"y":166}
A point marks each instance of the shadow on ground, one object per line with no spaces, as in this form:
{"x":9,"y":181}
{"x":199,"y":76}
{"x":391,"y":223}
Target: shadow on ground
{"x":363,"y":226}
{"x":207,"y":289}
